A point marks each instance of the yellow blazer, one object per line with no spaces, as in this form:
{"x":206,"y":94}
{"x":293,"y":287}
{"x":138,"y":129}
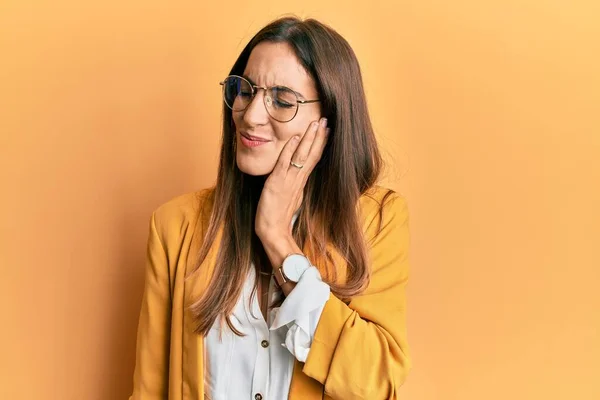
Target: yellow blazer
{"x":359,"y":351}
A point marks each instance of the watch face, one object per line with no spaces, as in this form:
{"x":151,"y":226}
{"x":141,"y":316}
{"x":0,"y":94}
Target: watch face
{"x":294,"y":266}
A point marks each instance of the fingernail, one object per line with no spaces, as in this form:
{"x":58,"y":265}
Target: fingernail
{"x":315,"y":125}
{"x":323,"y":122}
{"x":296,"y":138}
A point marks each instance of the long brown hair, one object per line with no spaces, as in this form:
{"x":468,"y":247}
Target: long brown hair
{"x":329,"y":220}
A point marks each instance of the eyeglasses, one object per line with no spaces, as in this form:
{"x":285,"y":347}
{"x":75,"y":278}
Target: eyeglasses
{"x":281,"y":102}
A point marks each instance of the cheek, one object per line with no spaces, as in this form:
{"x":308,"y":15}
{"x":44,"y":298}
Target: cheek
{"x":300,"y":124}
{"x":237,"y":119}
{"x":295,"y":127}
{"x":284,"y":135}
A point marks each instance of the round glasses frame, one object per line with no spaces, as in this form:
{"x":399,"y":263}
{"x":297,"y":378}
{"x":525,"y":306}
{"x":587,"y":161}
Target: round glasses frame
{"x":267,"y":100}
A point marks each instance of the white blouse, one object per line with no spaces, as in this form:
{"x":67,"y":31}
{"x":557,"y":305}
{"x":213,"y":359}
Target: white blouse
{"x":259,"y":365}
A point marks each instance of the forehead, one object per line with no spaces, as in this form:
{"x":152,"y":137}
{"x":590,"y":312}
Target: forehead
{"x":272,"y":64}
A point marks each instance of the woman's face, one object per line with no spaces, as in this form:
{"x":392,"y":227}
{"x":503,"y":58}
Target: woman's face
{"x":272,"y":64}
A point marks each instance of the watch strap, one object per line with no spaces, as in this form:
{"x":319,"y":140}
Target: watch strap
{"x":280,"y":276}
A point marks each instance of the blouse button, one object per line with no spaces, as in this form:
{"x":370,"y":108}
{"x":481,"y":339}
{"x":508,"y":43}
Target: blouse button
{"x":258,"y":396}
{"x":264,"y":343}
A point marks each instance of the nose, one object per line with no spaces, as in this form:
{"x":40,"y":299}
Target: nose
{"x":256,"y":113}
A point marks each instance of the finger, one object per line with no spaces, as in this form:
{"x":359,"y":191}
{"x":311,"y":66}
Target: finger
{"x":316,"y":150}
{"x":285,"y":158}
{"x":303,"y":150}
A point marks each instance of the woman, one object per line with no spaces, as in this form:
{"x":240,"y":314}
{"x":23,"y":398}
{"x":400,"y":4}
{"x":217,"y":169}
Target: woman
{"x":287,"y":279}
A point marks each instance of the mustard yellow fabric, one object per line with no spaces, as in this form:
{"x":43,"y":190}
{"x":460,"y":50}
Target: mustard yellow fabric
{"x":359,"y":351}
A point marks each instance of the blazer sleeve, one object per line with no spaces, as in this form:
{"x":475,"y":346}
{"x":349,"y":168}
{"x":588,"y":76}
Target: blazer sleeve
{"x":360,"y":349}
{"x":150,"y":379}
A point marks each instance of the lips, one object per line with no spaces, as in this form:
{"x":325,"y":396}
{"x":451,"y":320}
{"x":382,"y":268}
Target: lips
{"x":252,"y":141}
{"x":254,"y":138}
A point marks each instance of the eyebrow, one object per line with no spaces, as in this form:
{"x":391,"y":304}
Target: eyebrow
{"x":287,"y":87}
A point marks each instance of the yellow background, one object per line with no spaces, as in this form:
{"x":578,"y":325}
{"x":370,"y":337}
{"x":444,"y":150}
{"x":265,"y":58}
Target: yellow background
{"x":488,"y":113}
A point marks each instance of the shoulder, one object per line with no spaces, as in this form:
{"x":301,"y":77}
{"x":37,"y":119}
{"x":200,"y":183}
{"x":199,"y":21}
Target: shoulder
{"x":183,"y":210}
{"x":380,"y":207}
{"x":379,"y":198}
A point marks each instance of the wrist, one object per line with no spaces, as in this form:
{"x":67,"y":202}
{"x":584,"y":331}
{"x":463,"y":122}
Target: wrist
{"x":271,"y":235}
{"x":278,"y":247}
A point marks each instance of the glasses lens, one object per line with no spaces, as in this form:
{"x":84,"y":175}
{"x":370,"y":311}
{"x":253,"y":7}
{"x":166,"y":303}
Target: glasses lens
{"x":237,"y":93}
{"x":281,"y":103}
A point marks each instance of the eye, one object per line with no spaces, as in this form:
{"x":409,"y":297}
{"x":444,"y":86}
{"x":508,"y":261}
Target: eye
{"x":283,"y":104}
{"x":284,"y":97}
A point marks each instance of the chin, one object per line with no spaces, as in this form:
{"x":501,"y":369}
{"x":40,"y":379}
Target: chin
{"x":251,"y":167}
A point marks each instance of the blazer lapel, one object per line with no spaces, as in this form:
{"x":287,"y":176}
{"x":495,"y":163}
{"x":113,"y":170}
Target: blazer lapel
{"x":193,"y":344}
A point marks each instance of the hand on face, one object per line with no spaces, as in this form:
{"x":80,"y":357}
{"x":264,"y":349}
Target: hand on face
{"x":284,"y":188}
